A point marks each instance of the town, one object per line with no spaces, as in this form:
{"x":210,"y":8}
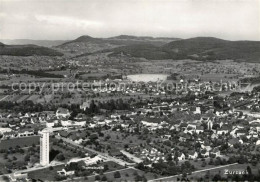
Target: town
{"x":140,"y":132}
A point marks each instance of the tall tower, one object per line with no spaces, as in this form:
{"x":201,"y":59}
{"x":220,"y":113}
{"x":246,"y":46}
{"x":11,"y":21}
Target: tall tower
{"x":44,"y":147}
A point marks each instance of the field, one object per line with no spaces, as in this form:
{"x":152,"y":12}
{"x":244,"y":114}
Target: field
{"x":22,"y":142}
{"x":118,"y":141}
{"x":45,"y":174}
{"x":17,"y":159}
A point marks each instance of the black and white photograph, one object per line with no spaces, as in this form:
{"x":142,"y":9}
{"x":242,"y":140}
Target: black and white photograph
{"x":129,"y":90}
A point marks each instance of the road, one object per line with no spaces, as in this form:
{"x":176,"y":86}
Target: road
{"x":37,"y":168}
{"x":132,"y":157}
{"x":106,"y":156}
{"x":203,"y":170}
{"x":4,"y":98}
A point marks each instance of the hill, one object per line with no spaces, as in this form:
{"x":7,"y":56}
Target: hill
{"x":27,"y":50}
{"x":45,"y":43}
{"x":144,"y":38}
{"x":147,"y":51}
{"x":87,"y":44}
{"x":199,"y":48}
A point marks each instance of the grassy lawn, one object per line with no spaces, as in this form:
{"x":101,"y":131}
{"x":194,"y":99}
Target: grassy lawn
{"x":22,"y":142}
{"x":45,"y":174}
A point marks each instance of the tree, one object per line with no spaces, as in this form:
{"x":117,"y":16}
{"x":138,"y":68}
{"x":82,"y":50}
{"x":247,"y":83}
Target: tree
{"x":217,"y":177}
{"x":106,"y":167}
{"x":138,"y":178}
{"x":26,"y":158}
{"x":60,"y":157}
{"x":169,"y":157}
{"x":117,"y":174}
{"x":97,"y":178}
{"x":104,"y":178}
{"x":249,"y":170}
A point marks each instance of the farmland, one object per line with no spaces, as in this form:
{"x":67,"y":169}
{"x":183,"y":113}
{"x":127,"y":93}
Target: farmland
{"x":22,"y":142}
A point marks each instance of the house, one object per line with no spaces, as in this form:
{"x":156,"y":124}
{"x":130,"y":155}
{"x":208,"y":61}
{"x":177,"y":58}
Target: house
{"x":25,"y":133}
{"x":64,"y":172}
{"x":10,"y":134}
{"x":205,"y":153}
{"x":223,"y":130}
{"x":197,"y":110}
{"x":206,"y":146}
{"x":233,"y":141}
{"x":91,"y":161}
{"x":199,"y":129}
{"x":62,"y":113}
{"x":183,"y":137}
{"x":209,"y":124}
{"x":4,"y":130}
{"x":216,"y":152}
{"x":80,"y":123}
{"x":257,"y":142}
{"x":85,"y":105}
{"x":192,"y":154}
{"x":183,"y":126}
{"x":240,"y":133}
{"x":50,"y":123}
{"x":66,"y":123}
{"x":181,"y":156}
{"x":18,"y":176}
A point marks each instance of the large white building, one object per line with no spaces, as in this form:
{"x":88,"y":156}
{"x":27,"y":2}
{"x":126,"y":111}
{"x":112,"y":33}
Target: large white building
{"x":44,"y":147}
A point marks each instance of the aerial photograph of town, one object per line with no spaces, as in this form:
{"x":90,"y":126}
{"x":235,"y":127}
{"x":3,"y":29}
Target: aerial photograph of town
{"x":129,"y":90}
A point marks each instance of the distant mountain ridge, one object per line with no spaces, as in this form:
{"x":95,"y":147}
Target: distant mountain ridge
{"x":117,"y":39}
{"x":27,"y":50}
{"x":45,"y":43}
{"x":129,"y":37}
{"x":86,"y":44}
{"x":199,"y":48}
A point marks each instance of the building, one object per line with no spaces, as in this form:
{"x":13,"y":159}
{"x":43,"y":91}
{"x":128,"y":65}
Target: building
{"x":44,"y":147}
{"x":17,"y":176}
{"x":62,"y":113}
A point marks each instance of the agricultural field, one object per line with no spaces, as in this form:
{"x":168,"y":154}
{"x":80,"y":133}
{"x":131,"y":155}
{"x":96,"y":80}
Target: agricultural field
{"x":22,"y":142}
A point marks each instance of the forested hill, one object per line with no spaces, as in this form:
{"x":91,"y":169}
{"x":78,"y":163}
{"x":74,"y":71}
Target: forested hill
{"x":200,"y":48}
{"x":27,"y":50}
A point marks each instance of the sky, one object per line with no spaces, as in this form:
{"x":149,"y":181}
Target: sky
{"x":69,"y":19}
